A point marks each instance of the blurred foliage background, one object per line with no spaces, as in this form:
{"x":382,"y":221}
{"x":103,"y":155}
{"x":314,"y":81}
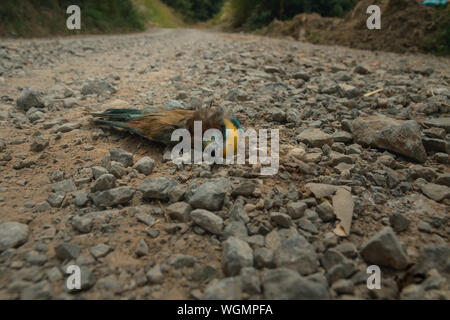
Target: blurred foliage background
{"x":196,"y":10}
{"x":38,"y":17}
{"x":32,"y":18}
{"x":253,"y":14}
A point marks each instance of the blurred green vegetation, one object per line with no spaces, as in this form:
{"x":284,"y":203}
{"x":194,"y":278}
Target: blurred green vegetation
{"x":196,"y":10}
{"x":438,"y":41}
{"x":42,"y":17}
{"x":253,"y":14}
{"x":157,"y":13}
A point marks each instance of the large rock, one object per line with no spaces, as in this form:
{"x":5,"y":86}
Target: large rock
{"x":384,"y":249}
{"x":98,"y":87}
{"x":207,"y":220}
{"x":29,"y":98}
{"x":443,"y":123}
{"x":315,"y":137}
{"x":157,"y":188}
{"x":179,"y":211}
{"x":285,"y":284}
{"x":435,"y":191}
{"x":145,"y":165}
{"x":123,"y":157}
{"x":105,"y":182}
{"x":209,"y":195}
{"x":66,"y":185}
{"x":399,"y":136}
{"x":237,"y":254}
{"x":113,"y":197}
{"x":298,"y":254}
{"x":225,"y":289}
{"x":12,"y":234}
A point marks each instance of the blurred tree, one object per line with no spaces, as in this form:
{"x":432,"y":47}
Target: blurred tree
{"x":256,"y":13}
{"x":196,"y":10}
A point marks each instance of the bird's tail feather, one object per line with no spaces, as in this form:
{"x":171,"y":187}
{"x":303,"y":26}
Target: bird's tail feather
{"x":121,"y":125}
{"x":119,"y":114}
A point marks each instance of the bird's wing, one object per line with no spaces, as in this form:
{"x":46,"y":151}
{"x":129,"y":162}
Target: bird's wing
{"x":158,"y":126}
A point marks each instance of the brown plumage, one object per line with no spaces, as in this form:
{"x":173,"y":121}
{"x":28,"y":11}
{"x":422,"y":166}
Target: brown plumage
{"x":158,"y":124}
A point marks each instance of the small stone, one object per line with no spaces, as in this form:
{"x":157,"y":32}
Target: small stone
{"x":67,"y":251}
{"x":443,"y":179}
{"x":298,"y":254}
{"x":399,"y":136}
{"x":237,"y":254}
{"x":418,"y":171}
{"x":285,"y":284}
{"x":123,"y":157}
{"x":145,"y":165}
{"x":360,"y":69}
{"x":154,"y":275}
{"x":12,"y":235}
{"x":63,"y":186}
{"x":424,"y":226}
{"x":245,"y":189}
{"x":104,"y":182}
{"x":182,"y":261}
{"x":209,"y":196}
{"x":142,"y":248}
{"x":113,"y":197}
{"x":56,"y":199}
{"x":308,"y":226}
{"x":153,"y":233}
{"x":207,"y":220}
{"x":384,"y":249}
{"x":88,"y":279}
{"x":315,"y":137}
{"x":36,"y":258}
{"x":296,"y":209}
{"x":98,"y":172}
{"x":435,"y":192}
{"x":325,"y":211}
{"x":343,"y":286}
{"x":157,"y":188}
{"x":80,"y":198}
{"x":82,"y":224}
{"x":443,"y":123}
{"x":399,"y":222}
{"x":29,"y":98}
{"x":100,"y":250}
{"x":117,"y":169}
{"x":39,"y":144}
{"x":43,"y":206}
{"x":271,"y":69}
{"x":66,"y":127}
{"x":38,"y":291}
{"x":54,"y":274}
{"x":224,"y":289}
{"x":281,"y":219}
{"x":264,"y":258}
{"x":98,"y":87}
{"x":237,"y":229}
{"x":179,"y":211}
{"x":250,"y":280}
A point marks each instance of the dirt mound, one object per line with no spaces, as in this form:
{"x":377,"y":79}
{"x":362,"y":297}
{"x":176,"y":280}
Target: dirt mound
{"x":405,"y":26}
{"x":309,"y":27}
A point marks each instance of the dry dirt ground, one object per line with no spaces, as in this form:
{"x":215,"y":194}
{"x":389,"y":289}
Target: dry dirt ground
{"x":268,"y":83}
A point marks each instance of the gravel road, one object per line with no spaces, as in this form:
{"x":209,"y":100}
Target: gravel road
{"x":363,"y":179}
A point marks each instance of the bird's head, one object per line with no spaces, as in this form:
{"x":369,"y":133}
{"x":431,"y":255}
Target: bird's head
{"x":215,"y":117}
